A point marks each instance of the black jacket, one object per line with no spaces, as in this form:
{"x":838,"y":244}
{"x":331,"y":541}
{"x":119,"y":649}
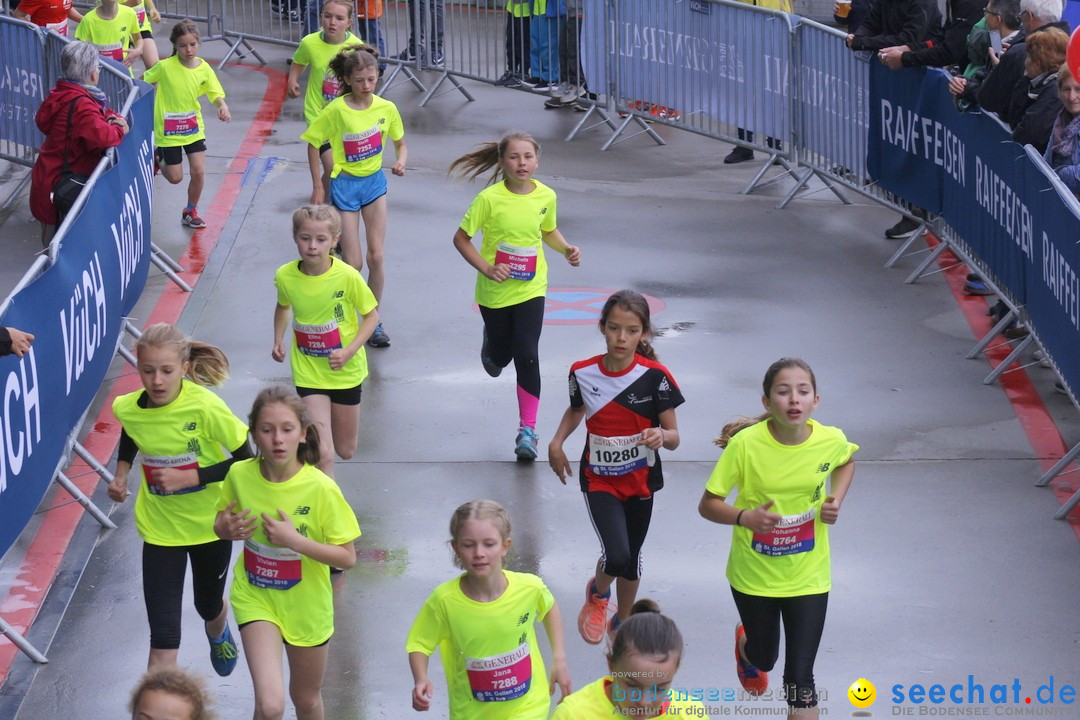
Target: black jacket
{"x":897,"y":22}
{"x":947,"y":46}
{"x":1034,"y":117}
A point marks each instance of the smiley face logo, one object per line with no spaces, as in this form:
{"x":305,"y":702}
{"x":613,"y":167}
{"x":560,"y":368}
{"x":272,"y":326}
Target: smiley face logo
{"x":862,"y":693}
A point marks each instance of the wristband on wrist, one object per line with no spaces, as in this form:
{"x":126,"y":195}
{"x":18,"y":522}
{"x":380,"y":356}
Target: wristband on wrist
{"x":739,"y":516}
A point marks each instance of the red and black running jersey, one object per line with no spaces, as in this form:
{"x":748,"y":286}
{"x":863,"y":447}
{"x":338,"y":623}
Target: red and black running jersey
{"x":618,"y":406}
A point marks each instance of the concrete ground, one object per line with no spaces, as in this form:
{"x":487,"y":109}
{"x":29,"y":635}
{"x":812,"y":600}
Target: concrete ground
{"x":946,"y":562}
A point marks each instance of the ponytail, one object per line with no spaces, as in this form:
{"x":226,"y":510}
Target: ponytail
{"x":476,"y":163}
{"x":207,"y":364}
{"x":647,"y":632}
{"x":309,"y":452}
{"x":735,"y":426}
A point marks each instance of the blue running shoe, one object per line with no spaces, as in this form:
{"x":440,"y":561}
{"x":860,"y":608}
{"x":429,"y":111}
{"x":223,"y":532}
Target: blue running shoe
{"x":526,"y":442}
{"x":223,"y":653}
{"x":379,"y":338}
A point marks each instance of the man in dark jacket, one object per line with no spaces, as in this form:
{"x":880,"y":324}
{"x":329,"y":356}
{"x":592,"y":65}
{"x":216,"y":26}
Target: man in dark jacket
{"x":945,"y":46}
{"x":896,"y":22}
{"x":14,"y":341}
{"x":1006,"y":85}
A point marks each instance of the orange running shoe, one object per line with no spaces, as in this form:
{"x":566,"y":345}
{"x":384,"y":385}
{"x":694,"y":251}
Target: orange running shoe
{"x":592,"y":620}
{"x":754,"y":681}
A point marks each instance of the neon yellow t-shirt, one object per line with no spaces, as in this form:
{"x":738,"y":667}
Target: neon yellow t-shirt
{"x":591,"y":703}
{"x":325,"y":311}
{"x":322,"y":85}
{"x":493,"y":665}
{"x":273,"y":583}
{"x":189,"y":432}
{"x":178,"y":118}
{"x":512,"y":225}
{"x":519,"y":8}
{"x":110,"y":37}
{"x":356,"y":137}
{"x":142,"y":16}
{"x":793,"y":559}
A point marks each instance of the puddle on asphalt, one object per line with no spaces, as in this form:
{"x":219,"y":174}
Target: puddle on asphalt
{"x":673,"y":330}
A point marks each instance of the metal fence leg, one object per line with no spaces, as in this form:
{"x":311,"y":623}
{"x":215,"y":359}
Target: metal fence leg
{"x":16,"y":192}
{"x":1020,"y":347}
{"x":1068,"y":506}
{"x":438,"y":83}
{"x":388,"y":81}
{"x":93,"y":463}
{"x":927,"y":262}
{"x":1003,"y":323}
{"x":20,"y":642}
{"x":165,"y":264}
{"x":86,"y":502}
{"x":604,"y":120}
{"x":1058,"y":466}
{"x":902,"y":250}
{"x":234,"y":48}
{"x":757,"y":178}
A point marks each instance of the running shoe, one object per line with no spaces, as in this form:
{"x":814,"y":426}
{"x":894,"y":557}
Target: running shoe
{"x":489,"y":365}
{"x":191,"y":219}
{"x":379,"y":338}
{"x":754,"y":681}
{"x":525,"y":448}
{"x":223,"y":653}
{"x":592,"y":620}
{"x":904,"y":228}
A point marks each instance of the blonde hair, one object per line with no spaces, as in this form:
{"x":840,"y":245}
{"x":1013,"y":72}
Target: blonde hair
{"x":742,"y":423}
{"x":344,"y":3}
{"x":488,"y":510}
{"x":318,"y":213}
{"x":207,"y":364}
{"x":489,"y":156}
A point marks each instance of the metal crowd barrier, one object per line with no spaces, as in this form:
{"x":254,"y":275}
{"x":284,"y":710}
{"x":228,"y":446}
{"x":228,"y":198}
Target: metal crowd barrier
{"x":19,"y":100}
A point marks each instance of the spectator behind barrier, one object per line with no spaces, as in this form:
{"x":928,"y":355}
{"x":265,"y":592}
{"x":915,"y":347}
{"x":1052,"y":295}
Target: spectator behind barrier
{"x":1040,"y":105}
{"x":75,"y":121}
{"x":1063,"y":150}
{"x":945,"y":46}
{"x":893,"y":23}
{"x":1006,"y":81}
{"x":173,"y":693}
{"x":14,"y":342}
{"x":1003,"y":17}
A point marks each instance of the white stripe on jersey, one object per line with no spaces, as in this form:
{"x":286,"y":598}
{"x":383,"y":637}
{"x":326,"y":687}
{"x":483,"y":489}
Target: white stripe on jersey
{"x":598,"y":389}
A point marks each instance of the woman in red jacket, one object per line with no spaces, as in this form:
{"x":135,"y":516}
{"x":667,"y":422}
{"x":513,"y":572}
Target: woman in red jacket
{"x":74,"y":120}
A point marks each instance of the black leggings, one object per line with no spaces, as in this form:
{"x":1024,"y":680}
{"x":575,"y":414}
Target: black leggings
{"x":514,"y":335}
{"x":621,"y":526}
{"x":163,"y":586}
{"x":518,"y":43}
{"x":804,"y":619}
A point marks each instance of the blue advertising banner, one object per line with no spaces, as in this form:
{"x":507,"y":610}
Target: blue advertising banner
{"x":989,"y":202}
{"x":22,"y":82}
{"x":726,"y":61}
{"x":1053,"y":286}
{"x":74,"y":309}
{"x":912,"y":145}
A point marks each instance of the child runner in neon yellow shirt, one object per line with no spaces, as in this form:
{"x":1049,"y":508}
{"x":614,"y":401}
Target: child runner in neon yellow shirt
{"x":178,"y":120}
{"x":357,"y":125}
{"x":645,"y":654}
{"x":779,"y":561}
{"x":484,"y":625}
{"x":114,"y":30}
{"x":181,"y":430}
{"x":517,"y":217}
{"x":281,"y":592}
{"x":326,"y":297}
{"x":316,"y":51}
{"x":145,"y":12}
